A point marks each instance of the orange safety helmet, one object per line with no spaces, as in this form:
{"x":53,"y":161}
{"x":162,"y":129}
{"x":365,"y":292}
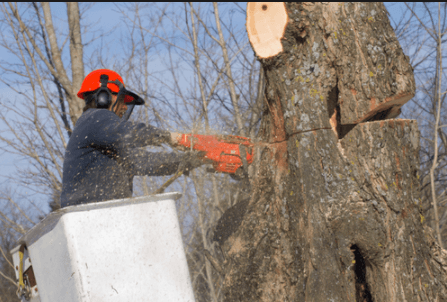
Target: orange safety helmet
{"x":91,"y":81}
{"x":106,"y":81}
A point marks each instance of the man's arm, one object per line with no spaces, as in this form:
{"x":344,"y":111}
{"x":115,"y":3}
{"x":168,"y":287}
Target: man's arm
{"x":106,"y":129}
{"x":141,"y":162}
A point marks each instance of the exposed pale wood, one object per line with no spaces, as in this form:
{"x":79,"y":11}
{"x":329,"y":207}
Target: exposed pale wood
{"x":266,"y":22}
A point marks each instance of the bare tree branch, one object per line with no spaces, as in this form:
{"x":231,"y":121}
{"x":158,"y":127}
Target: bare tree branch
{"x":234,"y":98}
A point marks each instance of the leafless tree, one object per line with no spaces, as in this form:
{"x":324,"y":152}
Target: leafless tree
{"x":165,"y":45}
{"x":206,"y":82}
{"x":37,"y":122}
{"x":422,"y":30}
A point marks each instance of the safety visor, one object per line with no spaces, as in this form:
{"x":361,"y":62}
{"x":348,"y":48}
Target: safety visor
{"x":130,"y":98}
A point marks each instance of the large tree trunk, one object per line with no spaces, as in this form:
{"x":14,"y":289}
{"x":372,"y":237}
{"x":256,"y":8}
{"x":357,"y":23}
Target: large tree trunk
{"x":335,"y":211}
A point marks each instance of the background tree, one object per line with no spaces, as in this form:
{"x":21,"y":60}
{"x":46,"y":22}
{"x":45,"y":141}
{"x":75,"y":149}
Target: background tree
{"x":199,"y":40}
{"x":421,"y":31}
{"x":172,"y":42}
{"x":38,"y":122}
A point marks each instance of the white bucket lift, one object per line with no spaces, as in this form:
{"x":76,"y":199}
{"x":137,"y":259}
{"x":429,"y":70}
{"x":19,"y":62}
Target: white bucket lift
{"x":118,"y":250}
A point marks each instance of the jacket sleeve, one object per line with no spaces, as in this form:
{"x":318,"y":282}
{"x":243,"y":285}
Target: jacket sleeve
{"x":107,"y":130}
{"x":141,"y":162}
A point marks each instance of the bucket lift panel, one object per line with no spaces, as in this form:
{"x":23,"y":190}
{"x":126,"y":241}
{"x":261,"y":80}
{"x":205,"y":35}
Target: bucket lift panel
{"x":118,"y":250}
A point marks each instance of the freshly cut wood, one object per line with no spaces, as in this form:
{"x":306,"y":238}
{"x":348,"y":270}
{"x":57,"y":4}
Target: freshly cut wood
{"x":266,"y":22}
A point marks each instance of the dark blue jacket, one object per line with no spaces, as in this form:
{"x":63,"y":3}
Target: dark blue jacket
{"x":104,"y":154}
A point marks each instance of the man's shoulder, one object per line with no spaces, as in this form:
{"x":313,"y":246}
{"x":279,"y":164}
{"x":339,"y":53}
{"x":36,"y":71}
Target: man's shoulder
{"x":92,"y":125}
{"x":99,"y":115}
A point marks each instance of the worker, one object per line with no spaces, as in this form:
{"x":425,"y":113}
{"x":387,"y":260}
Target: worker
{"x":105,"y":151}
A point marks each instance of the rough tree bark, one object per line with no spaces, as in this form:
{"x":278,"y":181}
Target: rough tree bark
{"x":71,"y":88}
{"x":77,"y":60}
{"x":335,"y":210}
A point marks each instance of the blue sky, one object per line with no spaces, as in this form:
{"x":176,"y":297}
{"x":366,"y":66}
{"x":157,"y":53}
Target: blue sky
{"x":103,"y":16}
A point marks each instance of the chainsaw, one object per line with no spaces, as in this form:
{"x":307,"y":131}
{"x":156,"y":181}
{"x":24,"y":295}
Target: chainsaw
{"x":227,"y":153}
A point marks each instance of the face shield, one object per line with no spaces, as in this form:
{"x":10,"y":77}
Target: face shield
{"x":128,"y":97}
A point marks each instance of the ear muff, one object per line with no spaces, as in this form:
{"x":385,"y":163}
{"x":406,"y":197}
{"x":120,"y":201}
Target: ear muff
{"x":103,"y":99}
{"x":103,"y":96}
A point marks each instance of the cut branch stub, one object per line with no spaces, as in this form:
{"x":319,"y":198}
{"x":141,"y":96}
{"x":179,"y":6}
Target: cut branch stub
{"x":373,"y":76}
{"x":376,"y":77}
{"x":266,"y":22}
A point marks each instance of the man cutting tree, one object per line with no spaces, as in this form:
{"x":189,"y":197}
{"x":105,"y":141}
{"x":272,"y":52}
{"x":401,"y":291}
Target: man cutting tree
{"x":105,"y":150}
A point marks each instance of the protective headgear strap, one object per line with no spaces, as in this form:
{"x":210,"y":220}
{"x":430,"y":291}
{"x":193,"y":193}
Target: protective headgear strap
{"x":104,"y":79}
{"x":103,"y":95}
{"x":123,"y":92}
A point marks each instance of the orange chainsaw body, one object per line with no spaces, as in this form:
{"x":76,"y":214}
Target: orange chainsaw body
{"x":222,"y":150}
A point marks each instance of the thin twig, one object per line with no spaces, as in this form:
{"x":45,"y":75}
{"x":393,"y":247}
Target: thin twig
{"x":6,"y":258}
